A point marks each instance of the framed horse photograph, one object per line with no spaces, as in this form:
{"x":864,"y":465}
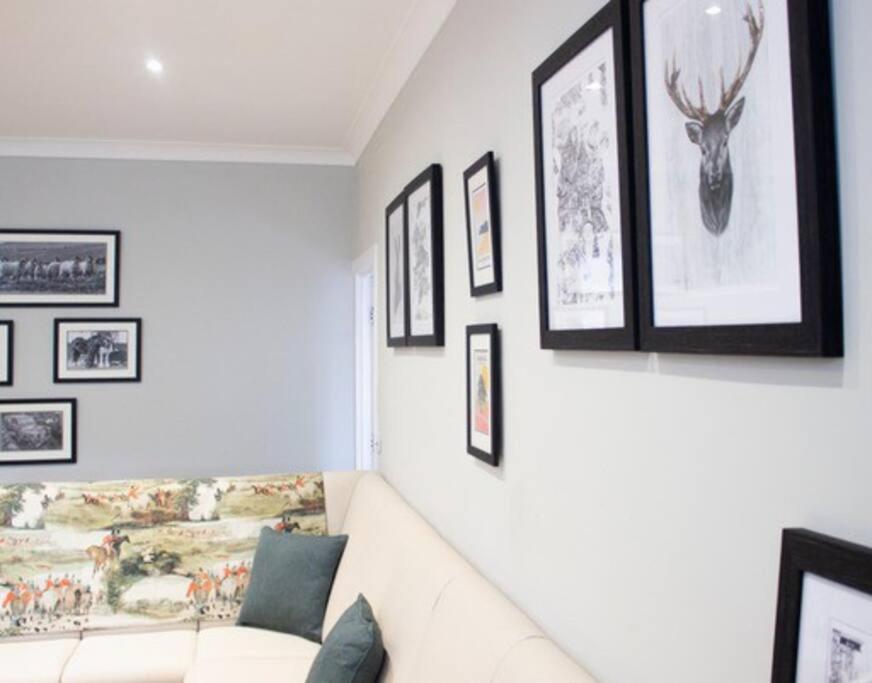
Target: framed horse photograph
{"x":98,"y":350}
{"x":37,"y":431}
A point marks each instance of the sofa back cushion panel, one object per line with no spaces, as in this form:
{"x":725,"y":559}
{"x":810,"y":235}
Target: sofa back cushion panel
{"x":109,"y":555}
{"x":338,"y":489}
{"x":243,"y":642}
{"x":260,"y":670}
{"x":36,"y":661}
{"x":290,"y":582}
{"x":539,"y":659}
{"x":353,"y":651}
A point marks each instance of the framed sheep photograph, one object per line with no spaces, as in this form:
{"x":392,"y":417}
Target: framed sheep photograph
{"x":98,"y":350}
{"x":59,"y":267}
{"x":38,"y":431}
{"x":7,"y":340}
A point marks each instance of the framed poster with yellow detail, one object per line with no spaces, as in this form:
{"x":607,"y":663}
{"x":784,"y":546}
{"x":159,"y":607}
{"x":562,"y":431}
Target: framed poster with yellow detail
{"x":483,"y":393}
{"x":483,"y":226}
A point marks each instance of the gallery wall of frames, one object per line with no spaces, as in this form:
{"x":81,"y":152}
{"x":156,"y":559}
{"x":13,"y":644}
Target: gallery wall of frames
{"x":55,"y":269}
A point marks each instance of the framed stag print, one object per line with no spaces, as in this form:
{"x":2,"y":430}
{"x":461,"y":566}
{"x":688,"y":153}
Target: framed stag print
{"x":483,"y":230}
{"x":737,"y":212}
{"x":824,"y":620}
{"x":583,"y":190}
{"x":395,"y":272}
{"x":483,"y":393}
{"x":102,"y":350}
{"x":425,"y":308}
{"x":37,"y":432}
{"x":7,"y":341}
{"x":59,"y":267}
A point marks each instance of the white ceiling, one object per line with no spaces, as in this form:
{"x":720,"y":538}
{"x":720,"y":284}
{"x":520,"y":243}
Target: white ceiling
{"x":292,"y":81}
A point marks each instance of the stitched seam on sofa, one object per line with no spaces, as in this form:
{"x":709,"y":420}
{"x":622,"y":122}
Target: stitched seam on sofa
{"x":511,"y":647}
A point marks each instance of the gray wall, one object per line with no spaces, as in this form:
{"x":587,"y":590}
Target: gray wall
{"x":242,"y":276}
{"x":638,"y":512}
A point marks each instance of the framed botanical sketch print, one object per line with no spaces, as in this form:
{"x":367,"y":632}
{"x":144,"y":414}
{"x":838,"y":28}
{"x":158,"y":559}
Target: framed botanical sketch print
{"x":425,"y":308}
{"x":7,"y":356}
{"x":483,"y":393}
{"x":397,"y":281}
{"x":824,"y":621}
{"x":98,"y":350}
{"x":483,"y":230}
{"x":737,"y":212}
{"x":583,"y":190}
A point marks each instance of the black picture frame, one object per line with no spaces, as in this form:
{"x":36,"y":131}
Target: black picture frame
{"x":113,"y":294}
{"x":73,"y":406}
{"x":10,"y":352}
{"x":820,"y":332}
{"x":807,"y":552}
{"x":398,"y":203}
{"x":488,"y":164}
{"x":492,"y":457}
{"x":432,"y":175}
{"x":611,"y":17}
{"x":137,"y":363}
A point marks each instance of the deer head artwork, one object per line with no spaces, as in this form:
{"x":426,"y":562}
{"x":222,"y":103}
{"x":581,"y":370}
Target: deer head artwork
{"x":710,"y":130}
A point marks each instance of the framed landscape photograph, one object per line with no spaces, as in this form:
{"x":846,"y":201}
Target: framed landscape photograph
{"x":102,"y":350}
{"x":59,"y":267}
{"x":425,"y":265}
{"x":35,"y":432}
{"x":483,"y":393}
{"x":396,"y":273}
{"x":7,"y":341}
{"x":584,"y":207}
{"x":483,"y":228}
{"x":824,"y":623}
{"x":737,"y":208}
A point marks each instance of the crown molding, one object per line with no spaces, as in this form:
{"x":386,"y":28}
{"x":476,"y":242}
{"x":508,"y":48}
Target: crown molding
{"x":417,"y":31}
{"x":173,"y":151}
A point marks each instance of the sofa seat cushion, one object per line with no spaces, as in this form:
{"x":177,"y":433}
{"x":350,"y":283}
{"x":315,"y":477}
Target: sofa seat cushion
{"x":250,"y":670}
{"x":37,"y":661}
{"x":161,"y":657}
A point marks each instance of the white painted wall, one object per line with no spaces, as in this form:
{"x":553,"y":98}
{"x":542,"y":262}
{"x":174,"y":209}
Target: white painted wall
{"x":242,"y":275}
{"x":638,"y":511}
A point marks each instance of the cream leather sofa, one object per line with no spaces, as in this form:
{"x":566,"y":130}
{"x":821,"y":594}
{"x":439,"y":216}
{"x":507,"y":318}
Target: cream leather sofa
{"x":441,"y":620}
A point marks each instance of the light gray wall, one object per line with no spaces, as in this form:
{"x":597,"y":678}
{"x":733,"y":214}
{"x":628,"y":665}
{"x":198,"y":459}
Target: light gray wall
{"x":638,"y":512}
{"x":242,"y":276}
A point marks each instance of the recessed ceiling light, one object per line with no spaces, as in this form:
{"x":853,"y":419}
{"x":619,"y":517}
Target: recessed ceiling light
{"x":713,"y":11}
{"x":596,"y":85}
{"x":154,"y":65}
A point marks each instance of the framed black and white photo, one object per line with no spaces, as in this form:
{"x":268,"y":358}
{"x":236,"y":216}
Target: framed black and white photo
{"x":737,"y":212}
{"x":583,"y":190}
{"x":98,"y":350}
{"x":36,"y":432}
{"x":396,"y":274}
{"x":483,"y":393}
{"x":59,"y":267}
{"x":824,"y":622}
{"x":425,"y":307}
{"x":7,"y":343}
{"x":483,"y":230}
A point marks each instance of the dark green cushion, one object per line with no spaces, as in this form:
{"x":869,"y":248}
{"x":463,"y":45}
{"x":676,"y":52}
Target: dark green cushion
{"x":353,"y":651}
{"x":290,"y":582}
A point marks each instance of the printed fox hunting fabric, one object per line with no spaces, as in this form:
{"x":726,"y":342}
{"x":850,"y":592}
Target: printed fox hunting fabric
{"x":115,"y":554}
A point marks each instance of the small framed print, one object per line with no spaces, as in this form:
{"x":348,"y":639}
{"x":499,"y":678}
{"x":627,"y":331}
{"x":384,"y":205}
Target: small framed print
{"x":396,"y":272}
{"x":425,"y":266}
{"x":59,"y":267}
{"x":483,"y":393}
{"x":584,"y":209}
{"x":37,"y":432}
{"x":98,"y":350}
{"x":824,"y":622}
{"x":7,"y":341}
{"x":483,"y":228}
{"x":737,"y":209}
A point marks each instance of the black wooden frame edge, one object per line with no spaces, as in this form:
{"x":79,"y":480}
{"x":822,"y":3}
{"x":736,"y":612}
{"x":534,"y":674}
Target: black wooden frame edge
{"x":433,"y":175}
{"x":493,"y":331}
{"x":612,"y":16}
{"x":487,"y":161}
{"x":116,"y":293}
{"x":123,"y":380}
{"x":74,"y":430}
{"x":821,"y":333}
{"x":398,"y":201}
{"x":804,"y":551}
{"x":10,"y":353}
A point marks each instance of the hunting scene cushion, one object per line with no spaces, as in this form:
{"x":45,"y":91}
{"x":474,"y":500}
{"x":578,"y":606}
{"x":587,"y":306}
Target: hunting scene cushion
{"x":113,"y":554}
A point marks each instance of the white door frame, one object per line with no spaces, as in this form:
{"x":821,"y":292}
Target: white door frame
{"x":365,"y":269}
